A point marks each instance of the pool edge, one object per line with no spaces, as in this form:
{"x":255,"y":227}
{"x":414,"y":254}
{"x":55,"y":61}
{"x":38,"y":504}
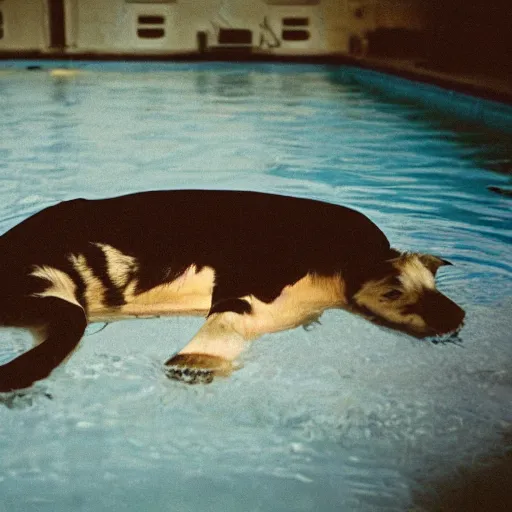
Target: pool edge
{"x":494,"y":90}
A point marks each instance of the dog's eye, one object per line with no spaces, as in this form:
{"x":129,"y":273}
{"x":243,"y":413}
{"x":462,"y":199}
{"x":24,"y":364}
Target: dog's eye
{"x":392,"y":294}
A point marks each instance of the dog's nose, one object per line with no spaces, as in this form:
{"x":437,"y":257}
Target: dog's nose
{"x":441,"y":313}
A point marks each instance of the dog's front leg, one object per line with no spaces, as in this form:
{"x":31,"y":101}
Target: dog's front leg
{"x":63,"y":324}
{"x":211,"y":352}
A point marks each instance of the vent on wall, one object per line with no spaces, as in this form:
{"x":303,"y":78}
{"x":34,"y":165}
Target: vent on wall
{"x":150,"y":26}
{"x":295,"y":29}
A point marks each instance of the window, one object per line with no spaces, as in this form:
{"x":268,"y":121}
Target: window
{"x":295,"y":22}
{"x":1,"y":25}
{"x":295,"y":35}
{"x":150,"y":26}
{"x":151,"y":20}
{"x":151,"y":33}
{"x":295,"y":29}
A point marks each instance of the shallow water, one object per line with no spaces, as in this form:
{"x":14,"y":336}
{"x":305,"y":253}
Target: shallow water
{"x":344,"y":417}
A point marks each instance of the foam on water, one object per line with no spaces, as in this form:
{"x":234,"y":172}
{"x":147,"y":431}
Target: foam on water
{"x":346,"y":416}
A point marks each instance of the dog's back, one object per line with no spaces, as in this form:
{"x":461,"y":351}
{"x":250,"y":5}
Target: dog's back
{"x":256,"y":243}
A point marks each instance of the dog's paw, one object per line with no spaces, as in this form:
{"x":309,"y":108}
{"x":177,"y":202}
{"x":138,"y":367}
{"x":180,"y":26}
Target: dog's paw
{"x":197,"y":368}
{"x":189,"y":375}
{"x":312,"y":321}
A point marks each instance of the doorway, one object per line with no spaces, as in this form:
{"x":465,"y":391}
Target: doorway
{"x":57,"y":24}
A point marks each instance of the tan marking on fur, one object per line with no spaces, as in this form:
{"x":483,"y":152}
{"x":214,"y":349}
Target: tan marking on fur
{"x":370,"y":296}
{"x":191,"y":287}
{"x":61,"y":285}
{"x":188,"y":294}
{"x":218,"y":337}
{"x":296,"y":305}
{"x":94,"y":289}
{"x":120,"y":266}
{"x":414,"y":275}
{"x":226,"y":334}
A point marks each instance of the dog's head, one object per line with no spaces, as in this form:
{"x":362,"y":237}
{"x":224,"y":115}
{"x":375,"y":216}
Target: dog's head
{"x":401,"y":294}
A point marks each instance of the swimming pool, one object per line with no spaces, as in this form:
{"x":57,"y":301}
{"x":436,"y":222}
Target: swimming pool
{"x":376,"y":411}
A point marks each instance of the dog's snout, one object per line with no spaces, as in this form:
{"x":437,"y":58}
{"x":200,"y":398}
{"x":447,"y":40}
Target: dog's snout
{"x":441,"y":314}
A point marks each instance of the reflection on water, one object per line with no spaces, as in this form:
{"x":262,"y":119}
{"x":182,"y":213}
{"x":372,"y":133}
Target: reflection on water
{"x":342,"y":418}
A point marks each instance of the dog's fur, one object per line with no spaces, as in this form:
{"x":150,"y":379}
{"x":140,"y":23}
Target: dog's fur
{"x":251,"y":263}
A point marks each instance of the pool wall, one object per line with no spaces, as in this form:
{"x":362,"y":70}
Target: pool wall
{"x":468,"y":101}
{"x":491,"y":113}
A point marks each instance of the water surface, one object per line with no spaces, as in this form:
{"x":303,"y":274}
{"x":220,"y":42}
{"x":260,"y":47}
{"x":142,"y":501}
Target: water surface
{"x":344,"y":417}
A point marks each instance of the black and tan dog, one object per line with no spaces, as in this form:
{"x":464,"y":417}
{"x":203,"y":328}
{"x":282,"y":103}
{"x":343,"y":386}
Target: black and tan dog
{"x":251,"y":263}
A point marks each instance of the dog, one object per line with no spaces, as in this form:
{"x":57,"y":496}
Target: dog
{"x":251,"y":263}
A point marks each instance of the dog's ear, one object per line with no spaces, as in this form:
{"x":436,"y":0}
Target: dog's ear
{"x":433,"y":262}
{"x":429,"y":260}
{"x":394,"y":254}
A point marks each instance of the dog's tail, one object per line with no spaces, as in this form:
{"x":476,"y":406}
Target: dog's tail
{"x":62,"y":325}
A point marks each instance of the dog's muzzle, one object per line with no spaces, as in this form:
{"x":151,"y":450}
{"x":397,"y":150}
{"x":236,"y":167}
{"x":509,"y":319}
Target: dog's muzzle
{"x":442,"y":316}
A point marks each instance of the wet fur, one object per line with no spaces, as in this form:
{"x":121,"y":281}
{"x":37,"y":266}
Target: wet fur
{"x":250,"y":263}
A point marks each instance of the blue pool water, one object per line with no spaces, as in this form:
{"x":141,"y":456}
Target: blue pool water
{"x":344,"y":417}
